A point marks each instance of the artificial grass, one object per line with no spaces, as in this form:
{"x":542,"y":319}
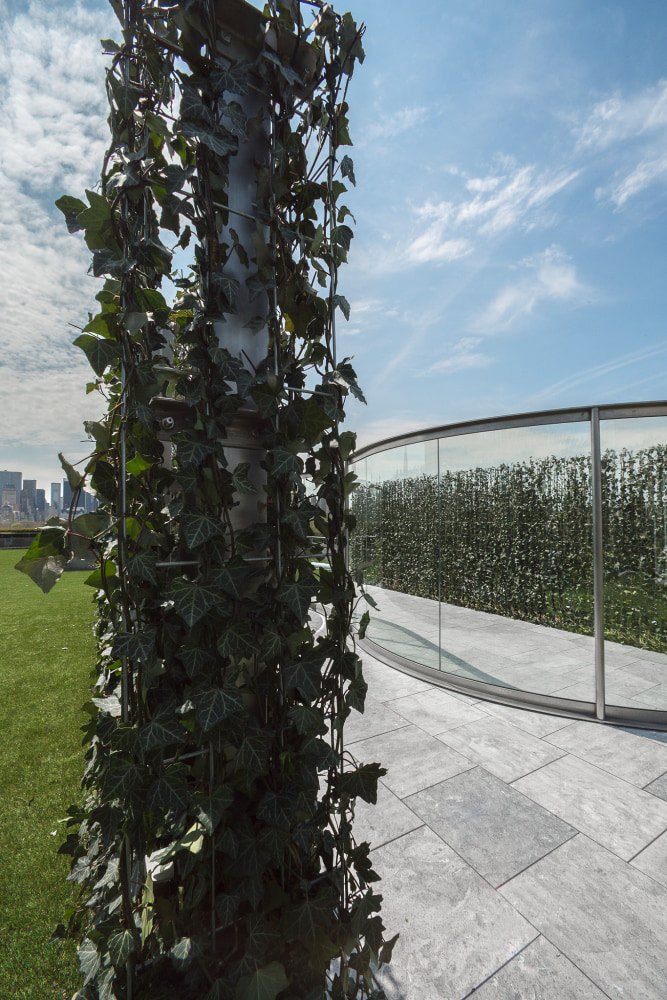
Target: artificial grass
{"x":46,"y":656}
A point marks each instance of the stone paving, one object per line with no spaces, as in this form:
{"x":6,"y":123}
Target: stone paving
{"x":523,"y":856}
{"x":514,"y":654}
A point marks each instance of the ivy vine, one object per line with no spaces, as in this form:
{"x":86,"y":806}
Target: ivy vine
{"x":214,"y":849}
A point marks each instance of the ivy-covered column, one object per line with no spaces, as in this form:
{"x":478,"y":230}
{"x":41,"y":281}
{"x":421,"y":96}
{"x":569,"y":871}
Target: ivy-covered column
{"x":214,"y":847}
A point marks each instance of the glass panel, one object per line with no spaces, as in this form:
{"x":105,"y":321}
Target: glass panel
{"x":516,"y":559}
{"x":634,"y":496}
{"x":400,"y":525}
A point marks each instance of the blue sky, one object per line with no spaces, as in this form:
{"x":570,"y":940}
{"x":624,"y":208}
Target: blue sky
{"x":510,"y":252}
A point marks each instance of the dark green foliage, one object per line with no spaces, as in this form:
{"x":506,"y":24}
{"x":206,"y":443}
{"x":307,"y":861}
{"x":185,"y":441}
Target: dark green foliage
{"x":214,"y":849}
{"x":516,"y":540}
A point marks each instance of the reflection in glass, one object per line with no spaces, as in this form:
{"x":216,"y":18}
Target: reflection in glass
{"x":634,"y":491}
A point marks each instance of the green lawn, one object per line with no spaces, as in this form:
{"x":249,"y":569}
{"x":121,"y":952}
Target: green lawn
{"x":46,"y":655}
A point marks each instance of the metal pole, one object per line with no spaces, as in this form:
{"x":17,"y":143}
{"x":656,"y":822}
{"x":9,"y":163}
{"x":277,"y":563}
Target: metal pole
{"x":598,"y":563}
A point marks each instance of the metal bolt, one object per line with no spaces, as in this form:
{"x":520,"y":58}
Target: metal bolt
{"x":167,"y":423}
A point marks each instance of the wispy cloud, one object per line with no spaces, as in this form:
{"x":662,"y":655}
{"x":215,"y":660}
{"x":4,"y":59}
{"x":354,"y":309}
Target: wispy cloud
{"x":636,"y":129}
{"x":503,"y":201}
{"x":586,"y":375}
{"x":618,"y":119}
{"x":461,"y":355}
{"x":389,"y":125}
{"x":550,"y":276}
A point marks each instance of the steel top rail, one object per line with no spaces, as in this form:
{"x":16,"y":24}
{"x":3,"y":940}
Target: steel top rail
{"x":615,"y":411}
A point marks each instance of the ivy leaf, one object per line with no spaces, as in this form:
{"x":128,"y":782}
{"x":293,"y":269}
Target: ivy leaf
{"x":233,"y":577}
{"x":306,"y":677}
{"x":209,"y":809}
{"x":199,"y":528}
{"x":99,"y":351}
{"x":362,"y":782}
{"x":285,"y":462}
{"x":343,"y":305}
{"x":347,"y":169}
{"x":214,"y":705}
{"x":318,"y":239}
{"x":193,"y":453}
{"x":192,"y":600}
{"x":121,"y":779}
{"x":229,"y":287}
{"x":308,"y":719}
{"x":240,"y":480}
{"x":89,"y":960}
{"x":74,"y":478}
{"x":169,"y":792}
{"x":313,"y":915}
{"x":184,"y":952}
{"x":194,"y":660}
{"x":71,"y":209}
{"x":161,"y":732}
{"x":143,"y":566}
{"x":121,"y":945}
{"x":137,"y":646}
{"x":226,"y":905}
{"x":355,"y":696}
{"x":238,"y":640}
{"x":46,"y":558}
{"x":233,"y":78}
{"x":342,"y":235}
{"x":298,"y":594}
{"x":264,"y":984}
{"x":221,"y":142}
{"x":253,"y":754}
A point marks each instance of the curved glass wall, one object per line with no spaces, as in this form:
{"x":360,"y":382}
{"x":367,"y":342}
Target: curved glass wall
{"x":477,"y":544}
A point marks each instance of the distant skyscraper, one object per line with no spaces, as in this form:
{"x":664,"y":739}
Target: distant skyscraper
{"x":55,"y":496}
{"x":67,"y":496}
{"x":40,"y":504}
{"x":28,"y":498}
{"x":8,"y":478}
{"x":9,"y":497}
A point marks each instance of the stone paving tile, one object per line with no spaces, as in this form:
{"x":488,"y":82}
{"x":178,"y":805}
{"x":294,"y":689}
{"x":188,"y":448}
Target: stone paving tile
{"x":435,"y":710}
{"x":388,"y":819}
{"x":607,"y":809}
{"x":455,"y":930}
{"x":658,"y":787}
{"x":387,"y":684}
{"x":414,"y":760}
{"x":623,"y":754}
{"x":539,"y":972}
{"x":492,"y":826}
{"x":609,"y":919}
{"x":653,"y":860}
{"x":536,"y":723}
{"x":501,"y":748}
{"x":376,"y":718}
{"x":655,"y":698}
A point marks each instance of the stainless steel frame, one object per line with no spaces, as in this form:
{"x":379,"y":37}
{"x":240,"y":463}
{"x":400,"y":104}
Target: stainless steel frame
{"x":597,"y":710}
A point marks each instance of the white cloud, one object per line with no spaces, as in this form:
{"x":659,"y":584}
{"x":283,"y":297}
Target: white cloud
{"x":635,"y":128}
{"x":503,"y":201}
{"x":391,"y":125}
{"x":618,"y":119}
{"x":552,"y":277}
{"x":52,"y":140}
{"x":462,"y":355}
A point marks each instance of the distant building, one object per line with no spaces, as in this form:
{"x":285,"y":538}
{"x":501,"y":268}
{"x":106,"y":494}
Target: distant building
{"x":9,"y":497}
{"x":67,"y":496}
{"x":55,"y":497}
{"x":8,"y":478}
{"x":28,"y":499}
{"x":40,"y":505}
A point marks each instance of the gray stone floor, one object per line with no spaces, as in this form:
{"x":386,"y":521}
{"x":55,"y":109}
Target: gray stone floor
{"x":523,"y":856}
{"x":514,"y":654}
